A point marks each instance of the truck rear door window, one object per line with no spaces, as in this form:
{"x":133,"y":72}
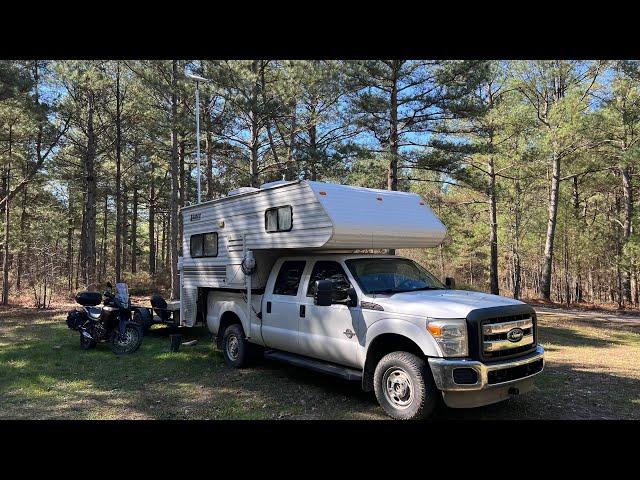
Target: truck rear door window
{"x":203,"y":245}
{"x":333,"y":271}
{"x":289,"y":277}
{"x":278,"y":219}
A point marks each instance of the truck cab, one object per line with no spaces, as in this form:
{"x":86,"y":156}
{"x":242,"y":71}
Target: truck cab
{"x":387,"y":322}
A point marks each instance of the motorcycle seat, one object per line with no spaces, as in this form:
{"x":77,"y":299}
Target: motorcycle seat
{"x":94,"y":312}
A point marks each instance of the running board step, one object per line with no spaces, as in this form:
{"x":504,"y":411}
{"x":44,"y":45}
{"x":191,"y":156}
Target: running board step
{"x":313,"y":364}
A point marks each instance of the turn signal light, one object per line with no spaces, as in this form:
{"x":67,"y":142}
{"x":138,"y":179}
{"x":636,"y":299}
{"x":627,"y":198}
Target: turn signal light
{"x":436,"y":330}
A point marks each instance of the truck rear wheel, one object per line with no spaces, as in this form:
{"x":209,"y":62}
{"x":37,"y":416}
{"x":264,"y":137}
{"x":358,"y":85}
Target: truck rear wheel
{"x":404,"y":386}
{"x":235,"y":348}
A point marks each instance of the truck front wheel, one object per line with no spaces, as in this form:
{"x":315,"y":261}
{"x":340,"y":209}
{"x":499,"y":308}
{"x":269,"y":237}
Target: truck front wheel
{"x":235,"y":348}
{"x":404,"y":386}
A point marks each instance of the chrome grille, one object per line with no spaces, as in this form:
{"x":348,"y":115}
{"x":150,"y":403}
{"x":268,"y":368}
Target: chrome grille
{"x":507,"y":336}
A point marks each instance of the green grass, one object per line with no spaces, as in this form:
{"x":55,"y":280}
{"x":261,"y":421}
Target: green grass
{"x":592,"y":371}
{"x":45,"y":374}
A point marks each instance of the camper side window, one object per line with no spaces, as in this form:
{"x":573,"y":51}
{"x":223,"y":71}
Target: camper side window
{"x":278,"y":219}
{"x":203,"y":245}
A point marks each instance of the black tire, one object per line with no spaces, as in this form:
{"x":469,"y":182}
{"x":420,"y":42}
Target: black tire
{"x":86,"y":343}
{"x":131,"y":342}
{"x":235,"y":348}
{"x":404,"y":386}
{"x":144,"y":324}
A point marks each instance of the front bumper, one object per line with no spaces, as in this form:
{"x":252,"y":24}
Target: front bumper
{"x":494,"y":382}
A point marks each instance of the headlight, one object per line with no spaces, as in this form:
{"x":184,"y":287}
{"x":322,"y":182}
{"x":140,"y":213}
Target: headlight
{"x":450,"y":334}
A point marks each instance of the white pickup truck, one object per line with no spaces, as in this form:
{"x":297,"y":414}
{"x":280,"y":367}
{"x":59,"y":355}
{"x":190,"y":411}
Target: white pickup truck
{"x":387,"y":322}
{"x":282,"y":269}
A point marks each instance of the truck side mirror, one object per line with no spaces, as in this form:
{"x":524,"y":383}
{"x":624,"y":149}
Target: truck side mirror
{"x":450,"y":282}
{"x":324,"y":289}
{"x":353,"y":297}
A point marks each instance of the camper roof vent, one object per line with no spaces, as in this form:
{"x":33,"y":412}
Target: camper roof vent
{"x":276,"y":183}
{"x":241,"y":190}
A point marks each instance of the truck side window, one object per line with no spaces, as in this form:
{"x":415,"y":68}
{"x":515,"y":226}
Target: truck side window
{"x":289,"y":277}
{"x":278,"y":219}
{"x":325,"y":270}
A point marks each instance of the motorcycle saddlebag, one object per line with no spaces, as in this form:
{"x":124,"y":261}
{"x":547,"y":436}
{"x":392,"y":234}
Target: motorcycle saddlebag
{"x":89,"y":299}
{"x":75,"y":318}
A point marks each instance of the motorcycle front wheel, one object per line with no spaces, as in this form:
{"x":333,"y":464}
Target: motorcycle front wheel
{"x":127,"y":343}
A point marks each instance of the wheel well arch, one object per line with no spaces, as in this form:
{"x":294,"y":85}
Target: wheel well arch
{"x":226,"y":319}
{"x":380,"y":346}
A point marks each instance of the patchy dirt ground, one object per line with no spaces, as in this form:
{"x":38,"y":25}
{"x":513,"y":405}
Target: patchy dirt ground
{"x":592,"y":372}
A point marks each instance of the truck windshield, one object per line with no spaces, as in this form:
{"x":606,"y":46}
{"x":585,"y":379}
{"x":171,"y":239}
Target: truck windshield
{"x":391,"y":275}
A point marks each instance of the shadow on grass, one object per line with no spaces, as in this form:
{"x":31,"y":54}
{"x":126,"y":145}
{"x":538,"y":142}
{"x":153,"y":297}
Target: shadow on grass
{"x":569,"y":337}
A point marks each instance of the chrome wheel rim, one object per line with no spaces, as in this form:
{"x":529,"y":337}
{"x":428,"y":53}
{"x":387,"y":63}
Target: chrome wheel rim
{"x":233,"y":347}
{"x":398,"y":387}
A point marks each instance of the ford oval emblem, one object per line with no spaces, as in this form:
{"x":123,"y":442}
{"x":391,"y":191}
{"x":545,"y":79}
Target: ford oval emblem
{"x":515,"y":335}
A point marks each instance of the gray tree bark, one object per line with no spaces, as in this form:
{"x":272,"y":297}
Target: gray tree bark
{"x":175,"y":173}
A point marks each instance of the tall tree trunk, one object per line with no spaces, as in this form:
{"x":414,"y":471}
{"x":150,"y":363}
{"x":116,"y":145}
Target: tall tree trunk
{"x":24,"y":249}
{"x":152,"y":221}
{"x":102,"y":272}
{"x":134,"y":230}
{"x":5,"y":261}
{"x":551,"y":227}
{"x":493,"y":235}
{"x":313,"y":146}
{"x":70,"y":230}
{"x":125,"y":224}
{"x":182,"y":199}
{"x":627,"y":190}
{"x":254,"y":129}
{"x":119,"y":228}
{"x":392,"y":173}
{"x":90,"y":204}
{"x":517,"y":266}
{"x":209,"y":153}
{"x":175,"y":167}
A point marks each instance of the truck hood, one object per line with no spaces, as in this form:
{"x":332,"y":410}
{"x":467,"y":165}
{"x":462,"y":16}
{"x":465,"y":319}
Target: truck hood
{"x":441,"y":303}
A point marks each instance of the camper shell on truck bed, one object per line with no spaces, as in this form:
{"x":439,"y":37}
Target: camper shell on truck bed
{"x":282,"y":217}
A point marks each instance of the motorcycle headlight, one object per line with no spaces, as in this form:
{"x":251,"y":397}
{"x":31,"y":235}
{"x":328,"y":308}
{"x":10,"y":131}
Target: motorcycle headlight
{"x":451,"y":335}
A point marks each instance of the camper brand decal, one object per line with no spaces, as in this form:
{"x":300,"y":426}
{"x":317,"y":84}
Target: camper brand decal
{"x":195,"y":216}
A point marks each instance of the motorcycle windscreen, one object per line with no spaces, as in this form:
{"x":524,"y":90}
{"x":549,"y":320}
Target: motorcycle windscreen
{"x":122,"y":293}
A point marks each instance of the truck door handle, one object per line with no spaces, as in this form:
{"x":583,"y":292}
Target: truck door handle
{"x":268,"y":307}
{"x":302,"y":310}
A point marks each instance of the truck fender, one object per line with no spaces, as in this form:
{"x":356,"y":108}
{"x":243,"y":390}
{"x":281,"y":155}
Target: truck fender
{"x":405,"y":328}
{"x":220,"y":307}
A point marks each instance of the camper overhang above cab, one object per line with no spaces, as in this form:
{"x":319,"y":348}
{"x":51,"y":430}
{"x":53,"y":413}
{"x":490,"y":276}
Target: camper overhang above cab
{"x":315,"y":215}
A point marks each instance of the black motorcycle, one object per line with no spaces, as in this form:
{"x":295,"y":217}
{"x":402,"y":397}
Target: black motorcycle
{"x":113,"y":322}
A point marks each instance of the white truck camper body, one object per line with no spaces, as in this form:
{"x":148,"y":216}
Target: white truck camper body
{"x":410,"y":343}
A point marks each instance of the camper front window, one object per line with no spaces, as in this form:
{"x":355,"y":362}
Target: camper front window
{"x":278,"y":219}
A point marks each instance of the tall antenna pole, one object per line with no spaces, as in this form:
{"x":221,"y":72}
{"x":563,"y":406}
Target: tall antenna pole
{"x":198,"y":134}
{"x":197,"y":79}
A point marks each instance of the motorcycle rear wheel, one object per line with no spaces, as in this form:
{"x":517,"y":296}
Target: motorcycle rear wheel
{"x":86,"y":343}
{"x":129,"y":342}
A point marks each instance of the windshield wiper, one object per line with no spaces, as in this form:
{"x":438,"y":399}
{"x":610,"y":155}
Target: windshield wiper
{"x":395,"y":290}
{"x":386,"y":290}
